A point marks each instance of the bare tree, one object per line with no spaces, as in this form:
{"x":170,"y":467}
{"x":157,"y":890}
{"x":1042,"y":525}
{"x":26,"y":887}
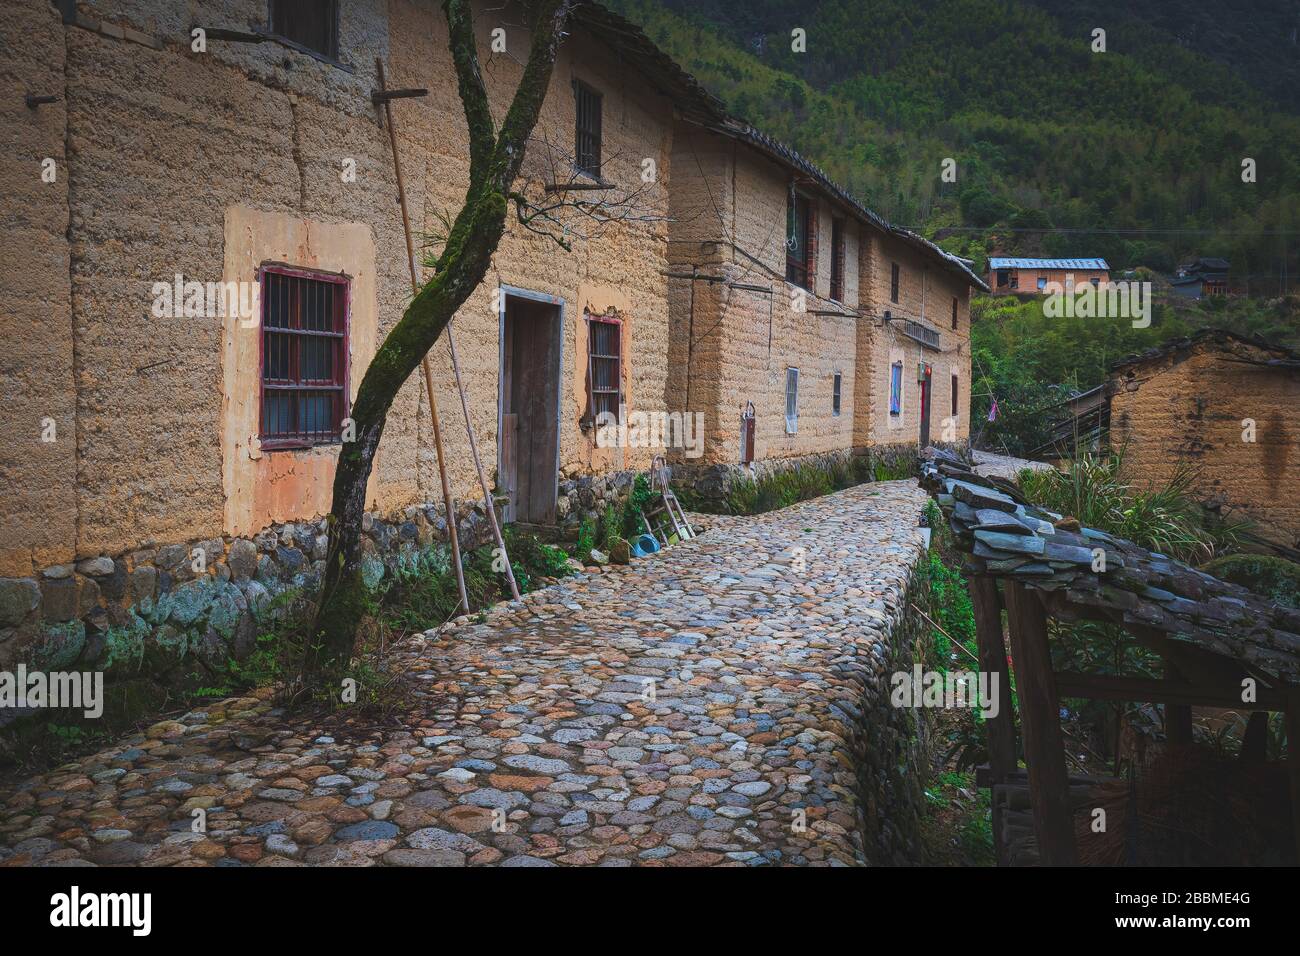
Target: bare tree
{"x":495,"y":159}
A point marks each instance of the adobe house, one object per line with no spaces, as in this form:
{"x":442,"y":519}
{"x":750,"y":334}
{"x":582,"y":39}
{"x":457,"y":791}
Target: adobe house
{"x":1224,"y":405}
{"x":163,"y":439}
{"x":1018,"y":274}
{"x":804,"y":326}
{"x":207,"y":251}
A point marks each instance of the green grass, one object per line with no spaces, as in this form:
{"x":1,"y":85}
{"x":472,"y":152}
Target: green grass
{"x":1168,"y":518}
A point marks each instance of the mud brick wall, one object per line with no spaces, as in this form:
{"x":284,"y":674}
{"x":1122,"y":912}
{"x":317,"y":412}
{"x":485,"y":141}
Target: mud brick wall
{"x":1186,"y":409}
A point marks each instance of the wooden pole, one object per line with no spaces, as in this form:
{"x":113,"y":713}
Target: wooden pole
{"x":993,"y":661}
{"x":1293,"y":761}
{"x":478,"y":465}
{"x":449,"y":504}
{"x":1049,"y":789}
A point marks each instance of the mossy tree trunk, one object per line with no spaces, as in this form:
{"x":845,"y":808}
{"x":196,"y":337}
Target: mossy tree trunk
{"x":495,"y":158}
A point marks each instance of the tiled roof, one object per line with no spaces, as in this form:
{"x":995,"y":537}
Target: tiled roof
{"x":699,"y":106}
{"x":1282,"y":356}
{"x":1000,"y":262}
{"x":1002,"y":535}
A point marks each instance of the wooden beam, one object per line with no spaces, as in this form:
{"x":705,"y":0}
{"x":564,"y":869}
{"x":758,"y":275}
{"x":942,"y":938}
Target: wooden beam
{"x":1040,"y":720}
{"x":1157,"y":691}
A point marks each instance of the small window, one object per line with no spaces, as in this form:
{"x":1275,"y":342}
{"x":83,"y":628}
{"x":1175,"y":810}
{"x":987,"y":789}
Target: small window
{"x":893,"y":282}
{"x":896,"y":389}
{"x":800,"y":240}
{"x":837,"y":259}
{"x":835,"y":394}
{"x":1015,"y":281}
{"x":791,"y":400}
{"x":954,"y":396}
{"x":304,"y":358}
{"x":954,"y":313}
{"x":312,"y":25}
{"x":1042,"y":282}
{"x":604,"y":358}
{"x":588,"y":126}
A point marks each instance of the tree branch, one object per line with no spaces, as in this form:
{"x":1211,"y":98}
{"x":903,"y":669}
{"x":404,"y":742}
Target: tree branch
{"x":469,"y":81}
{"x":547,"y":35}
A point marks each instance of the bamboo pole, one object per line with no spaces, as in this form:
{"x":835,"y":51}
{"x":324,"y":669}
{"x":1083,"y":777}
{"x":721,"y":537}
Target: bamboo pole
{"x":449,"y":503}
{"x":488,"y":504}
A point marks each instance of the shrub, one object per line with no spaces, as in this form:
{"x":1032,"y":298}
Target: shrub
{"x":1275,"y":578}
{"x":1168,"y":519}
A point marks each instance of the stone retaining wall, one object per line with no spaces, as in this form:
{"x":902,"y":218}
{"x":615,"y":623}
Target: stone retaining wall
{"x":180,"y":613}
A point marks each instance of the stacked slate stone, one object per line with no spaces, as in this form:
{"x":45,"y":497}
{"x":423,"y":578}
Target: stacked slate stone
{"x":1002,"y":535}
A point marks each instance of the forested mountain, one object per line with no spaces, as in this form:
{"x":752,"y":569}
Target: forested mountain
{"x":1134,"y":153}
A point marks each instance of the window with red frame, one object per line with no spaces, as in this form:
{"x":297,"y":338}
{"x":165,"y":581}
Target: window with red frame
{"x":604,"y":358}
{"x":304,"y":357}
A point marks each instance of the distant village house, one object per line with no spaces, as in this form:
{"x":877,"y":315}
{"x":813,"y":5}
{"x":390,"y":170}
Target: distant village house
{"x":1018,"y":274}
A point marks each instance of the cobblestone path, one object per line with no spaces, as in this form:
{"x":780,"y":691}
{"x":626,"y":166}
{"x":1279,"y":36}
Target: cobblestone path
{"x":530,"y":739}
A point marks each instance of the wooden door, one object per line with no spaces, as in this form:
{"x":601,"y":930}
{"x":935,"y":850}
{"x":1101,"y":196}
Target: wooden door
{"x":530,"y":397}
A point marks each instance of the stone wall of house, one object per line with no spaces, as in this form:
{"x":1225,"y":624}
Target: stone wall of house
{"x":1186,"y":409}
{"x":745,"y":323}
{"x":926,"y":293}
{"x":198,"y":163}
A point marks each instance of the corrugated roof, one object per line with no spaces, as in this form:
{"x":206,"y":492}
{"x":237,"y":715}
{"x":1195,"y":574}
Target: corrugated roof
{"x":998,"y":262}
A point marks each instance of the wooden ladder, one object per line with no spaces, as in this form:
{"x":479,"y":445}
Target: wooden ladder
{"x":665,"y":519}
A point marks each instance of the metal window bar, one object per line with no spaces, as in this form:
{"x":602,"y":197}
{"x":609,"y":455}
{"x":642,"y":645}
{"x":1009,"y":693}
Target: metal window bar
{"x":588,"y":128}
{"x":921,"y":333}
{"x":604,"y":354}
{"x":304,"y":358}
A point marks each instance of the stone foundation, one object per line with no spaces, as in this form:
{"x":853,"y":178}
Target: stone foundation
{"x":589,"y":495}
{"x":182,"y":612}
{"x":711,"y":486}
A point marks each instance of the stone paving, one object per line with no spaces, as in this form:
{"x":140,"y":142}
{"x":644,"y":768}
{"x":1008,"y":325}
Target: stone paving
{"x":531,"y":738}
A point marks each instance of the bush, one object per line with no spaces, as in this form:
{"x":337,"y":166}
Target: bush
{"x":1167,"y":519}
{"x":1275,"y":578}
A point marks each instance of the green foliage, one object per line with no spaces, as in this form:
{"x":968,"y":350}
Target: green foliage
{"x":1168,"y":519}
{"x":1032,"y":362}
{"x":586,"y":538}
{"x":1046,"y":133}
{"x":800,"y":482}
{"x":950,"y":608}
{"x":1276,"y":578}
{"x":633,"y":509}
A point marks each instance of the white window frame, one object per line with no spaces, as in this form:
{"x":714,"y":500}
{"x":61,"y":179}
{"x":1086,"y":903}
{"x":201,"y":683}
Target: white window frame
{"x":791,"y":400}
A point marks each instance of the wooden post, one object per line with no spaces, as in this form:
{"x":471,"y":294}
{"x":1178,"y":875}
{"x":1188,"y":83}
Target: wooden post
{"x":449,"y":504}
{"x":478,"y":464}
{"x":1293,"y":761}
{"x":1040,"y":718}
{"x":1178,"y":717}
{"x":1254,"y":743}
{"x":993,"y":661}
